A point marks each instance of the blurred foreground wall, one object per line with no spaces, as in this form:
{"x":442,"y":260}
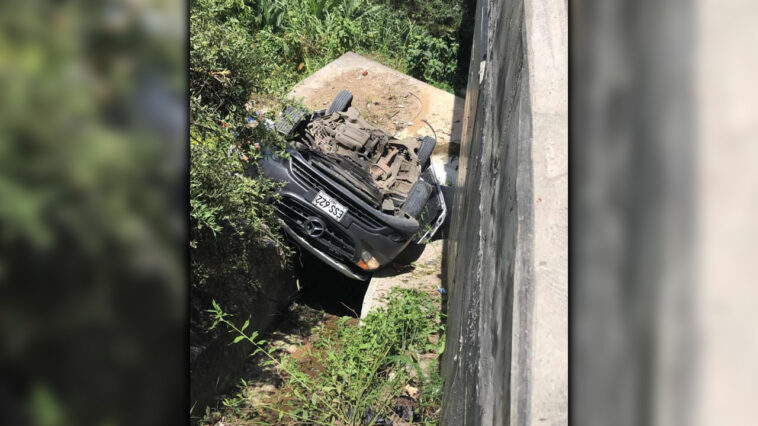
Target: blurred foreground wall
{"x":93,"y":213}
{"x":506,"y":359}
{"x":633,"y":213}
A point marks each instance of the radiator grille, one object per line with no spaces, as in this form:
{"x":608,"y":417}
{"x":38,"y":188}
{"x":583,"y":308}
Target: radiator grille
{"x":333,"y":241}
{"x":357,"y":211}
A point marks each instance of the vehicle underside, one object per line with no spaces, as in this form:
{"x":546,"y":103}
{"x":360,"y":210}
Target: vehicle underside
{"x":354,"y":196}
{"x":380,"y":168}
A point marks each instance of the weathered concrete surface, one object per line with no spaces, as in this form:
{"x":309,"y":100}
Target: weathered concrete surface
{"x":424,"y":273}
{"x":546,"y":25}
{"x":216,"y":364}
{"x":506,"y":359}
{"x":394,"y":101}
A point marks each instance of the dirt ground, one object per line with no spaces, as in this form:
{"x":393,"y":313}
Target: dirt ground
{"x":384,"y":100}
{"x":391,"y":100}
{"x":325,"y":297}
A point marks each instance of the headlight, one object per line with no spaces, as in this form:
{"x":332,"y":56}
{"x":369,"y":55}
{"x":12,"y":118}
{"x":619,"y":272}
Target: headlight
{"x":367,"y":262}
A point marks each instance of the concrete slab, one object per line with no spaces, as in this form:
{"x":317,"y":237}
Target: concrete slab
{"x":424,"y":273}
{"x":387,"y":98}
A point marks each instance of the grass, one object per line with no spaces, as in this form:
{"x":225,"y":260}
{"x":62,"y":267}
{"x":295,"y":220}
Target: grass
{"x":350,"y":374}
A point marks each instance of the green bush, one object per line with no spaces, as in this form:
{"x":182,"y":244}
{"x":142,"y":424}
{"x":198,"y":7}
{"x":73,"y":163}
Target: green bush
{"x":240,"y":48}
{"x":230,"y":203}
{"x":230,"y":209}
{"x":431,"y":58}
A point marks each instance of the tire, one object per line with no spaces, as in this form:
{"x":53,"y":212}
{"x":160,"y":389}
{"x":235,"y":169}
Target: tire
{"x":417,"y":198}
{"x":341,"y":102}
{"x":425,"y":151}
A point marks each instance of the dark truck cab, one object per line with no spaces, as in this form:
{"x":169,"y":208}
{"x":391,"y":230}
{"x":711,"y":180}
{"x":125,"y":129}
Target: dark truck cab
{"x":353,"y":196}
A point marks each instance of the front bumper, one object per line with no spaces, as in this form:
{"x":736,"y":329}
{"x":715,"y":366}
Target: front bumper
{"x":344,"y":269}
{"x":342,"y":244}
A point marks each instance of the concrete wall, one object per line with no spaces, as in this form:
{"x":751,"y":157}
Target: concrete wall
{"x":506,"y":357}
{"x":266,"y":290}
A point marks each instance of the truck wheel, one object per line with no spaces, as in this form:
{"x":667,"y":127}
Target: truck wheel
{"x":417,"y":198}
{"x":341,"y":101}
{"x":425,"y":151}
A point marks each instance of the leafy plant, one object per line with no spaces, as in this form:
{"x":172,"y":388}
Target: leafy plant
{"x":269,"y":14}
{"x":319,"y":8}
{"x":365,"y":367}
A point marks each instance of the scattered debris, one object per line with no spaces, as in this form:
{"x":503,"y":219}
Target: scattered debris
{"x":404,"y":408}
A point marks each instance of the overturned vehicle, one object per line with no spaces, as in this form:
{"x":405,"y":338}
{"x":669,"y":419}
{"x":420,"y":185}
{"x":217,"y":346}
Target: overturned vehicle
{"x":354,"y":196}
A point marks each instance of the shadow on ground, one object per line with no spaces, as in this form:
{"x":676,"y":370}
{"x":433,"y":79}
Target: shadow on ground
{"x":325,"y":289}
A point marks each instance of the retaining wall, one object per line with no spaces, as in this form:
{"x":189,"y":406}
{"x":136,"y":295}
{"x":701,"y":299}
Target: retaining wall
{"x":506,"y":259}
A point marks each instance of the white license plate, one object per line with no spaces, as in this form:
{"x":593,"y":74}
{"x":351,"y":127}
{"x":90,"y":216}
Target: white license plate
{"x":329,"y":206}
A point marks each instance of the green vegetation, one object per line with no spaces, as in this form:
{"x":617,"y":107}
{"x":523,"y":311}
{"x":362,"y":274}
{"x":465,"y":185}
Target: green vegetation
{"x":355,"y":374}
{"x":266,"y":46}
{"x":230,"y":210}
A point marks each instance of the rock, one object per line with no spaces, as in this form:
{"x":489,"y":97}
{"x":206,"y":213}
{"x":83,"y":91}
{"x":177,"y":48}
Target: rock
{"x":426,"y":360}
{"x":411,"y":391}
{"x":268,"y":388}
